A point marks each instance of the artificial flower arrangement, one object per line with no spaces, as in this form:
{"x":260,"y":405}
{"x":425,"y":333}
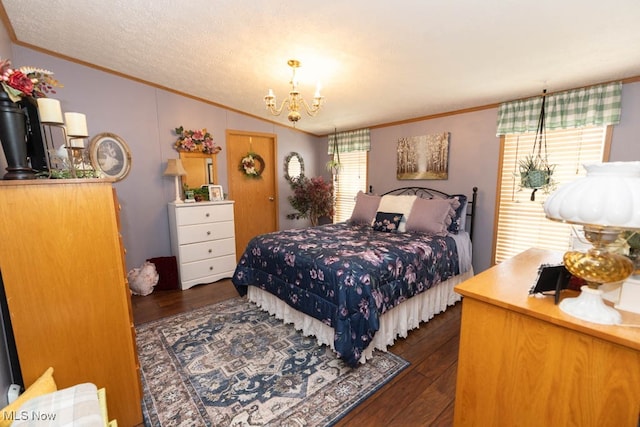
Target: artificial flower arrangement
{"x":26,"y":81}
{"x":312,"y":198}
{"x":251,"y":165}
{"x":198,"y":140}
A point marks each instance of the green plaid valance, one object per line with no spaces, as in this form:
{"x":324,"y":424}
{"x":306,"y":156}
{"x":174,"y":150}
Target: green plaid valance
{"x":355,"y":140}
{"x":597,"y":106}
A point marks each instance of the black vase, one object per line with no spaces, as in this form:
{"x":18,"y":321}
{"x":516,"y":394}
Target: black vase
{"x":13,"y":137}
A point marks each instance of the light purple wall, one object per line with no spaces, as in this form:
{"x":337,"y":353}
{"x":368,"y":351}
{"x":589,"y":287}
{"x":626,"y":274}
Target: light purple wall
{"x":473,"y":161}
{"x":145,"y":118}
{"x":626,"y":135}
{"x":474,"y":155}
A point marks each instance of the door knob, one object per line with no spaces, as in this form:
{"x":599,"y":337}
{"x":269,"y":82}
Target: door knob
{"x":271,"y":199}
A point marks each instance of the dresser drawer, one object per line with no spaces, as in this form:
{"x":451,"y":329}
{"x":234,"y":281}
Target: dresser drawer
{"x":205,"y":250}
{"x":205,"y":232}
{"x":204,"y":214}
{"x":208,"y":267}
{"x":203,"y":241}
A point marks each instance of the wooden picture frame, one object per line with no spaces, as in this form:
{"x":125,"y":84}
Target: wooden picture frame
{"x":110,"y":156}
{"x":215,"y":193}
{"x":423,"y":157}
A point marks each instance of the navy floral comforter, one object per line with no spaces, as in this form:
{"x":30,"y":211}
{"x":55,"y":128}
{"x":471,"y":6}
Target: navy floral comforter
{"x":346,"y":275}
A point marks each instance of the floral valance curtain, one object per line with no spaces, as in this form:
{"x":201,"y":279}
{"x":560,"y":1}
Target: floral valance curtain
{"x":355,"y":140}
{"x":597,"y":106}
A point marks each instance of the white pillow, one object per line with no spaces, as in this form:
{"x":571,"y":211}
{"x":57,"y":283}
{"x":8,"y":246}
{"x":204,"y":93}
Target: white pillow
{"x":398,"y":204}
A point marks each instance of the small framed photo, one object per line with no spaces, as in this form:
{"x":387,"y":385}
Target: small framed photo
{"x":215,"y":193}
{"x":110,"y":156}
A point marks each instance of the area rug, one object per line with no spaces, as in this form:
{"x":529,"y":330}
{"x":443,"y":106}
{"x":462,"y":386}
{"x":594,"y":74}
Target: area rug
{"x":231,"y":364}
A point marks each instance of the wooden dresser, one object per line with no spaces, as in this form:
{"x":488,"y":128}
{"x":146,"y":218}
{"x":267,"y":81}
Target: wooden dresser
{"x":62,"y":264}
{"x":203,"y":241}
{"x":523,"y":362}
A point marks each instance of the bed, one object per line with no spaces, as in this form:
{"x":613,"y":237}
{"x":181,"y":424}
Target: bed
{"x":358,"y":285}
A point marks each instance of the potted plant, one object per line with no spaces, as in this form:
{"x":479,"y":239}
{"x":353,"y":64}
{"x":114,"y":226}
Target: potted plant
{"x":632,"y":239}
{"x":312,"y":198}
{"x":536,"y":173}
{"x":199,"y":194}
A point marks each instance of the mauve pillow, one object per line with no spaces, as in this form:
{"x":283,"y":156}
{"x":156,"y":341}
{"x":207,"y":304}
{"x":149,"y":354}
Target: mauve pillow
{"x":365,"y":210}
{"x":432,"y":215}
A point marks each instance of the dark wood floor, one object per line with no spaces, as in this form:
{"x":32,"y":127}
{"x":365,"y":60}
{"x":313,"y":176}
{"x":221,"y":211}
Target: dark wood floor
{"x":421,"y":395}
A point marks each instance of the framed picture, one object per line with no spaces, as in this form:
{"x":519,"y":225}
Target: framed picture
{"x":423,"y":157}
{"x":215,"y":193}
{"x":110,"y":156}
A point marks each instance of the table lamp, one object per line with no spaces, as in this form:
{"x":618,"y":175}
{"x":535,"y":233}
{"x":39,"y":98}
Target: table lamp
{"x":175,"y":169}
{"x":606,"y":202}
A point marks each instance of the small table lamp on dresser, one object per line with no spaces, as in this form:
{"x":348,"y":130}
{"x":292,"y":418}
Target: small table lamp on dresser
{"x":606,"y":203}
{"x":175,"y":169}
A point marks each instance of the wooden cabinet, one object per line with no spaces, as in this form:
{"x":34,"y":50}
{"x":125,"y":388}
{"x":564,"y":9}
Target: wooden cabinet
{"x":524,"y":362}
{"x":203,"y":241}
{"x":62,"y":265}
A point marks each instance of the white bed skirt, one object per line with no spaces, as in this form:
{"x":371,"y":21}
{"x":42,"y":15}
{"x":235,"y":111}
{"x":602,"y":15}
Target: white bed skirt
{"x":397,"y":322}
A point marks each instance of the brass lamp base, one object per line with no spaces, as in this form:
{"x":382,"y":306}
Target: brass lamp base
{"x":596,"y":266}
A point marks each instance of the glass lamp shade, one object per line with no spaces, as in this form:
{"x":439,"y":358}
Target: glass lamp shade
{"x":606,"y":202}
{"x":609,"y":196}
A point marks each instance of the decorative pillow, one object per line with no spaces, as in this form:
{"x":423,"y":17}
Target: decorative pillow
{"x":142,"y":280}
{"x":43,"y":385}
{"x":459,"y":220}
{"x":387,"y":222}
{"x":432,"y":215}
{"x":400,"y":204}
{"x":365,"y":210}
{"x":73,"y":406}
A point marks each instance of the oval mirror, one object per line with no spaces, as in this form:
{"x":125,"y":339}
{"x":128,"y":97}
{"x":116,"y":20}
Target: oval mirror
{"x":293,"y":167}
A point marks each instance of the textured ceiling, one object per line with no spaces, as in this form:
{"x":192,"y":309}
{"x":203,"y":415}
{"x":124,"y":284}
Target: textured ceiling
{"x":377,"y":61}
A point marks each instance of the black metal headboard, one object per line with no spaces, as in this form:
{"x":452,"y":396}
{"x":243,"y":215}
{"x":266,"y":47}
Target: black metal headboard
{"x":430,"y":193}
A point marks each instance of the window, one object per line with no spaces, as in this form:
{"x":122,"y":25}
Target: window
{"x":521,"y":223}
{"x":350,"y":150}
{"x":351,"y":178}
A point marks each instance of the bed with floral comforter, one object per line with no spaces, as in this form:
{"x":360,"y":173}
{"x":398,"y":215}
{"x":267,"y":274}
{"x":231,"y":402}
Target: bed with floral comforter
{"x":346,"y":276}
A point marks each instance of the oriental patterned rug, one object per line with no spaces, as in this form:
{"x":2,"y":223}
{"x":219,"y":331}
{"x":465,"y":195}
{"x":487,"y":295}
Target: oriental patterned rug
{"x":231,"y":364}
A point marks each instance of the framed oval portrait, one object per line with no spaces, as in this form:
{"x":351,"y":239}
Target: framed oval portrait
{"x":110,"y":156}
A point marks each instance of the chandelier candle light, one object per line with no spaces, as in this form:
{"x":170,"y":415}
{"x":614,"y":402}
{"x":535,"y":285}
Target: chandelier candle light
{"x":606,"y":202}
{"x":295,"y":102}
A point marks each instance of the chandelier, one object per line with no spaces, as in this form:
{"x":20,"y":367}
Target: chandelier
{"x":295,"y":102}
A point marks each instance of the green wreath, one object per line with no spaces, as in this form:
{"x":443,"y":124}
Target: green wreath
{"x":251,"y":165}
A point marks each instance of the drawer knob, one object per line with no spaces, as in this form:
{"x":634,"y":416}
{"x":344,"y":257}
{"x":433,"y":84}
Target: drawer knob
{"x":210,"y":268}
{"x":210,"y":250}
{"x":208,"y":233}
{"x":207,"y":214}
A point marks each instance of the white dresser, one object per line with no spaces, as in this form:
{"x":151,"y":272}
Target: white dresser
{"x":203,"y":241}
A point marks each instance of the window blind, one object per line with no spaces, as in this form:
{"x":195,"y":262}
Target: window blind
{"x":521,"y":223}
{"x":351,"y":178}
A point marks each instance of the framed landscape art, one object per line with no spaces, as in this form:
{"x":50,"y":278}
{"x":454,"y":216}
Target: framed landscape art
{"x":423,"y":157}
